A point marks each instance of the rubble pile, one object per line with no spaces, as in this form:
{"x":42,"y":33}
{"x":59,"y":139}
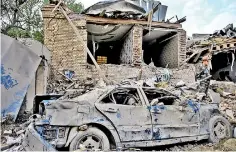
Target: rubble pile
{"x":220,"y":41}
{"x":162,"y":77}
{"x":64,"y":86}
{"x":219,"y":46}
{"x":12,"y":133}
{"x":227,"y":91}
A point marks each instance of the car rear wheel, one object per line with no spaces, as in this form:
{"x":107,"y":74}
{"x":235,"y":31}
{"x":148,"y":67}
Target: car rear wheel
{"x":219,"y":128}
{"x":90,"y":139}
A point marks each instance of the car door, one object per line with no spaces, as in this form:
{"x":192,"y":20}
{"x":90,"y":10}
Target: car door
{"x":132,"y":122}
{"x":168,"y":118}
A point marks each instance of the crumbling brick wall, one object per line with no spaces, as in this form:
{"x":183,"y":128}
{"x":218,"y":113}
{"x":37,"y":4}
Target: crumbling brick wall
{"x":118,"y":73}
{"x":182,"y":43}
{"x":169,"y":52}
{"x":127,"y":49}
{"x":66,"y":51}
{"x":131,"y":52}
{"x":173,"y":50}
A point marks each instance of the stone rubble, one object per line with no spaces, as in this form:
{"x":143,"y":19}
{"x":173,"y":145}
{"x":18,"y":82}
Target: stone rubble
{"x":12,"y":134}
{"x":227,"y":91}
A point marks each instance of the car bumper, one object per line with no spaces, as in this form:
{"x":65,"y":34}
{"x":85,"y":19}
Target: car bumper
{"x":33,"y":141}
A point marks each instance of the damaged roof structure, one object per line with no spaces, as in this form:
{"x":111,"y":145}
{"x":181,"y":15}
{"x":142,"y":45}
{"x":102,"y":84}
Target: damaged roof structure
{"x":220,"y":47}
{"x":115,"y":32}
{"x":114,"y":41}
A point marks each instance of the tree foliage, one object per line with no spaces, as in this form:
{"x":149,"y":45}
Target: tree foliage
{"x":23,"y":18}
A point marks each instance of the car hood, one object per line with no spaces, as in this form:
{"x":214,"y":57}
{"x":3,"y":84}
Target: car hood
{"x":70,"y":111}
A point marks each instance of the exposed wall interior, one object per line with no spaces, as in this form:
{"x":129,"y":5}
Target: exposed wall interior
{"x":119,"y":44}
{"x":161,"y":47}
{"x":110,"y":50}
{"x":224,"y":67}
{"x":127,"y":49}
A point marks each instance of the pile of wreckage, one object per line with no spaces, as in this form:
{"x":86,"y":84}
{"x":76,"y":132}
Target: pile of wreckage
{"x":224,"y":93}
{"x":220,"y":47}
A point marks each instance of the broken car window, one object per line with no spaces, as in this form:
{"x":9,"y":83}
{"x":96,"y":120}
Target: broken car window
{"x":125,"y":96}
{"x":156,"y":96}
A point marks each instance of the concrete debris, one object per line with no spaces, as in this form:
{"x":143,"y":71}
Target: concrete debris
{"x":20,"y":132}
{"x":7,"y":132}
{"x":219,"y":46}
{"x":180,"y":83}
{"x":129,"y":103}
{"x":229,"y":113}
{"x":227,"y":91}
{"x":66,"y":87}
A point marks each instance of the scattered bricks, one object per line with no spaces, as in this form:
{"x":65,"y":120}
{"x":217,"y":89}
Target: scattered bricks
{"x":20,"y":132}
{"x":7,"y":132}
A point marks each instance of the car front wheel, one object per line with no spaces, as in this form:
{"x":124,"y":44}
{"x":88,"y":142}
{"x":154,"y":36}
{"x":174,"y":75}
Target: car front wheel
{"x":90,"y":139}
{"x":219,"y":128}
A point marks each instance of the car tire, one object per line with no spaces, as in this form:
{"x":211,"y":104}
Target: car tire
{"x":219,"y":128}
{"x":90,"y":139}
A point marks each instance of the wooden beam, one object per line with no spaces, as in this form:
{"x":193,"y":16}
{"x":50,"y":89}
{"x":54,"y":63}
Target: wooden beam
{"x":84,"y":45}
{"x":101,"y":20}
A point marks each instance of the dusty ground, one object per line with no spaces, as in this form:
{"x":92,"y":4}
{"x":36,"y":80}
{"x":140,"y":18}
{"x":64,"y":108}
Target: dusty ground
{"x":225,"y":145}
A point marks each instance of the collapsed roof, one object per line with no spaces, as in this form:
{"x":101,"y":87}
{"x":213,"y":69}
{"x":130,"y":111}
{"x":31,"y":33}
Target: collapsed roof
{"x":220,"y":47}
{"x":129,"y":9}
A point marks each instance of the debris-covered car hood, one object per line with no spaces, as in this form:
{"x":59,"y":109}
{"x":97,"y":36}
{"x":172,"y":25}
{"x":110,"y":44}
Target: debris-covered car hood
{"x":70,"y":111}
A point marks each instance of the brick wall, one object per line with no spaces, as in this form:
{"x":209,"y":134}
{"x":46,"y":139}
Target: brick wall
{"x":137,"y":45}
{"x":169,"y":52}
{"x":131,"y":52}
{"x":127,"y":49}
{"x":66,"y":51}
{"x":174,"y":50}
{"x":117,"y":73}
{"x":182,"y":42}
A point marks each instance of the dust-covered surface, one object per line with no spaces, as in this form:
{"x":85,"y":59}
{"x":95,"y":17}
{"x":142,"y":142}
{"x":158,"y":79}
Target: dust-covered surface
{"x":85,"y":90}
{"x":12,"y":133}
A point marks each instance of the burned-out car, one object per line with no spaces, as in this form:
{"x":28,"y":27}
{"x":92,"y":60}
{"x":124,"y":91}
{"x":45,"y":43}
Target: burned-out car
{"x":124,"y":116}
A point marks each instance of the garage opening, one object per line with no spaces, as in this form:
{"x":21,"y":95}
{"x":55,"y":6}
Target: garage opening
{"x":160,"y":46}
{"x":108,"y":42}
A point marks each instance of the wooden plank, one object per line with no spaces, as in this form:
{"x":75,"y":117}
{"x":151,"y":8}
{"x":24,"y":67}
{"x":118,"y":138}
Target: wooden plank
{"x":84,"y":45}
{"x":57,"y":6}
{"x":101,"y":20}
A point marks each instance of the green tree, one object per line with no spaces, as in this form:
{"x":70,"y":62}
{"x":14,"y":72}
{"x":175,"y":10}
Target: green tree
{"x":23,"y":18}
{"x":76,"y":7}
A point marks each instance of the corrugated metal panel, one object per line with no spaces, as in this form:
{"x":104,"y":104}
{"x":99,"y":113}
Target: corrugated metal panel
{"x":148,"y":5}
{"x":18,"y":67}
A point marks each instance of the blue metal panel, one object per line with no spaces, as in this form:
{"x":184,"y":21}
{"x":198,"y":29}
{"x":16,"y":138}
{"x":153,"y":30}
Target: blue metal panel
{"x":18,"y":67}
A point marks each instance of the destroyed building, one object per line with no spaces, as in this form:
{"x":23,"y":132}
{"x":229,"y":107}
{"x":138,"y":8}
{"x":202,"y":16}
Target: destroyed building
{"x":116,"y":32}
{"x":220,"y":46}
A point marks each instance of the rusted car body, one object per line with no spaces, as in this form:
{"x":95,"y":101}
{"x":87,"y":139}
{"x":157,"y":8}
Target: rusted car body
{"x":129,"y":116}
